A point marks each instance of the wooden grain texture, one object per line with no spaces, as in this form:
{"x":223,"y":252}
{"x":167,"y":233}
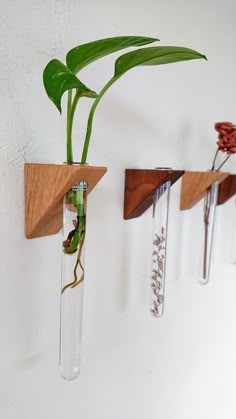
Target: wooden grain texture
{"x":195,"y":185}
{"x":227,"y":189}
{"x":140,"y":185}
{"x":45,"y":187}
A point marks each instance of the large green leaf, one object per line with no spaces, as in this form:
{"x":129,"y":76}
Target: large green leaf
{"x":78,"y":57}
{"x":154,"y":56}
{"x":57,"y":79}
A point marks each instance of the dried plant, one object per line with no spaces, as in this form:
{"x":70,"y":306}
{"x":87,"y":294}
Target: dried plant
{"x":226,"y":141}
{"x":157,"y":277}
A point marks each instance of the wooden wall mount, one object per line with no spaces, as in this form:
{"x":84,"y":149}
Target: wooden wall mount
{"x":140,"y":186}
{"x":227,"y":189}
{"x":45,"y":187}
{"x":195,"y":185}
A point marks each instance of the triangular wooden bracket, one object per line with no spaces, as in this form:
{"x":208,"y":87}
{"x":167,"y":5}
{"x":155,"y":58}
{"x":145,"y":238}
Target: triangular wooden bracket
{"x":227,"y":189}
{"x":140,"y":186}
{"x":195,"y":185}
{"x":45,"y":187}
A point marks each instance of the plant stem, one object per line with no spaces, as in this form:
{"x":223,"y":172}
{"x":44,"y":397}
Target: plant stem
{"x":206,"y":225}
{"x":205,"y":252}
{"x":68,"y":135}
{"x":214,"y":160}
{"x":71,"y":106}
{"x":213,"y":164}
{"x":90,"y":118}
{"x":225,"y":160}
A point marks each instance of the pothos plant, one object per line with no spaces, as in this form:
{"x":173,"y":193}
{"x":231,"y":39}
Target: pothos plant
{"x":59,"y":78}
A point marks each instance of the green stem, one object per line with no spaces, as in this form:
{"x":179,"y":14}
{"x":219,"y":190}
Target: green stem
{"x":68,"y":135}
{"x":70,"y":116}
{"x":90,"y":118}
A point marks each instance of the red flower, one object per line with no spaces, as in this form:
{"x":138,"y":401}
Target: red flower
{"x":224,"y":128}
{"x":227,"y":142}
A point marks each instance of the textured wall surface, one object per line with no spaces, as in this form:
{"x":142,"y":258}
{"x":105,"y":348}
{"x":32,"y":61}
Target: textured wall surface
{"x":134,"y":367}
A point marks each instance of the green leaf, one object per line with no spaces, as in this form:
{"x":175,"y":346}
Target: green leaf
{"x":144,"y":56}
{"x":57,"y":79}
{"x":78,"y":57}
{"x":154,"y":56}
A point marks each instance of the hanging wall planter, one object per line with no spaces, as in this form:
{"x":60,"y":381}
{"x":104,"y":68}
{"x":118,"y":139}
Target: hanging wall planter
{"x":195,"y":186}
{"x":144,"y":188}
{"x":60,"y":78}
{"x":215,"y":186}
{"x":56,"y":196}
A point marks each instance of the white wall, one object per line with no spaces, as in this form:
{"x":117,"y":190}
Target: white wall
{"x":134,"y":367}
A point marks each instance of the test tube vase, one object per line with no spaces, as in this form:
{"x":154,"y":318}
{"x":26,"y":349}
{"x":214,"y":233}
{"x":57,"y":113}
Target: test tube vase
{"x":195,"y":186}
{"x":144,"y":188}
{"x":56,"y":197}
{"x":227,"y":190}
{"x":72,"y":289}
{"x":160,"y":229}
{"x":210,"y":202}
